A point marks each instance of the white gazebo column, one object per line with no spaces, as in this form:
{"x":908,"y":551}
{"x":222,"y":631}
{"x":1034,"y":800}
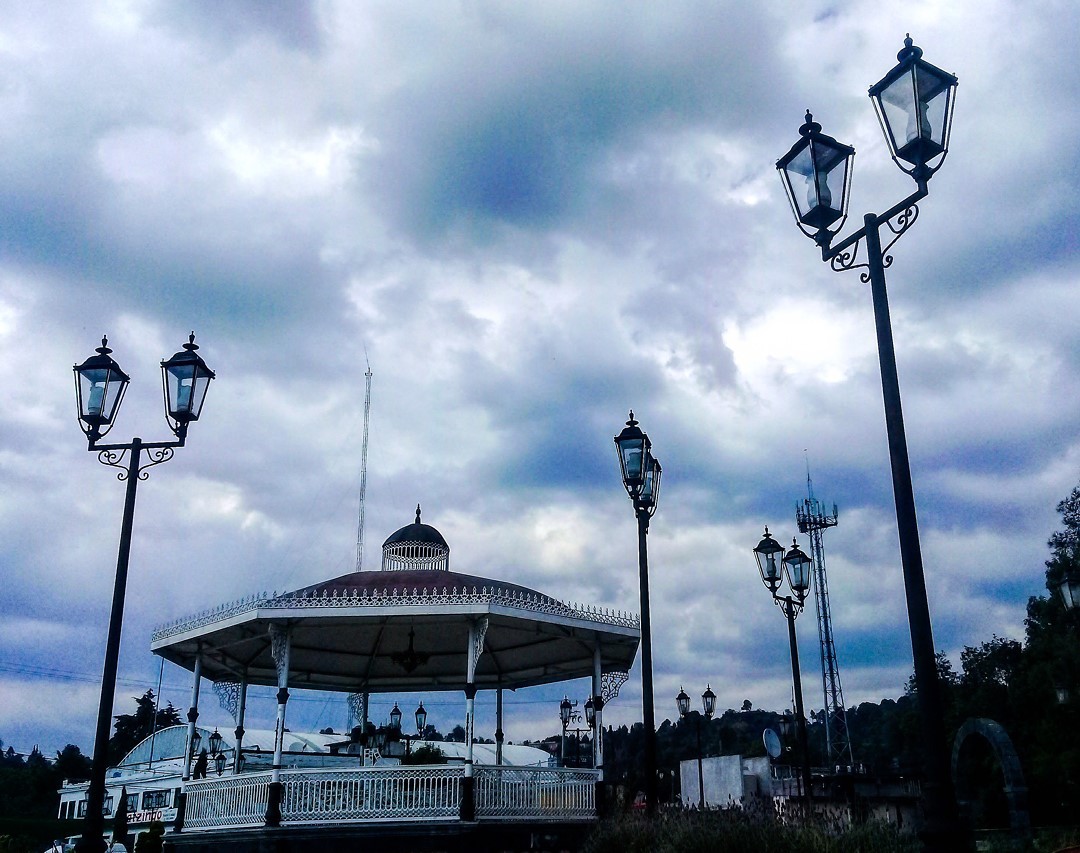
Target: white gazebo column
{"x":279,"y":647}
{"x":239,"y":731}
{"x":598,"y":728}
{"x":498,"y":726}
{"x":192,"y":716}
{"x":477,"y":631}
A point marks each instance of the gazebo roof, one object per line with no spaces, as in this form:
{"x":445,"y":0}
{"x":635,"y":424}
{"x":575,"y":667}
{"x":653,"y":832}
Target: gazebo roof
{"x":403,"y":630}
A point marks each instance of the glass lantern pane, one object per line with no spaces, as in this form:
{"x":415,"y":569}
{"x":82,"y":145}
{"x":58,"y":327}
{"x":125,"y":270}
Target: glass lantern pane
{"x":933,"y":96}
{"x":651,"y":486}
{"x":798,"y":571}
{"x":633,"y":452}
{"x":914,"y":108}
{"x":817,"y":175}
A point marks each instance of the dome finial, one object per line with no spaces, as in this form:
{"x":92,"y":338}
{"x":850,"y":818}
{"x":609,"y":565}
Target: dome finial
{"x":418,"y":513}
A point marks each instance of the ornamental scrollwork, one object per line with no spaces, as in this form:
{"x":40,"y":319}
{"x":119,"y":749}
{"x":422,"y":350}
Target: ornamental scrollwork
{"x":228,"y":694}
{"x":611,"y":683}
{"x":358,"y":707}
{"x":279,"y":649}
{"x":477,"y":648}
{"x":154,"y":455}
{"x":903,"y":221}
{"x":846,"y":260}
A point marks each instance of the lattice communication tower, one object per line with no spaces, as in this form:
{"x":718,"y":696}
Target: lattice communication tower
{"x":813,"y":520}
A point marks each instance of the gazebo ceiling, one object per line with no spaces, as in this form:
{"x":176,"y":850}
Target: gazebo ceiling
{"x":403,"y":630}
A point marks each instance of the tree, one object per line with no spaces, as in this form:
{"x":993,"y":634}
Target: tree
{"x":151,"y":841}
{"x":130,"y":729}
{"x":120,"y":818}
{"x":71,"y":764}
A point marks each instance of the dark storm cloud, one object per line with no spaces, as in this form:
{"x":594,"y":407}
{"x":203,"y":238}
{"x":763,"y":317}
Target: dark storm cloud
{"x":294,"y":24}
{"x":514,"y":130}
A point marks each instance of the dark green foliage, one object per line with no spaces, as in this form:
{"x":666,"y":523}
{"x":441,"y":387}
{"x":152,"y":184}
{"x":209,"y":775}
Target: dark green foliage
{"x":151,"y":841}
{"x":738,"y":830}
{"x":130,"y":729}
{"x":425,"y":754}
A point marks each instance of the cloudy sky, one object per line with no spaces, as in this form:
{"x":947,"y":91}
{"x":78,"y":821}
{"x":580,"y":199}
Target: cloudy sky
{"x":529,"y":217}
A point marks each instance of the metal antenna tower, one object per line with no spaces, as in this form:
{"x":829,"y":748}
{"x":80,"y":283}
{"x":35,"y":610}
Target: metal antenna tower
{"x":812,"y":520}
{"x":363,"y":467}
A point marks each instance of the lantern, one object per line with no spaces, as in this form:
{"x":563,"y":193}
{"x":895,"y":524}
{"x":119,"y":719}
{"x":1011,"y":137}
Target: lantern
{"x":816,"y":173}
{"x":99,"y":389}
{"x":185,"y":379}
{"x":914,"y":103}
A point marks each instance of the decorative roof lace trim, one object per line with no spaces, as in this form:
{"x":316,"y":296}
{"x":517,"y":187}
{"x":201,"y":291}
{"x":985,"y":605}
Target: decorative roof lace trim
{"x":419,"y":596}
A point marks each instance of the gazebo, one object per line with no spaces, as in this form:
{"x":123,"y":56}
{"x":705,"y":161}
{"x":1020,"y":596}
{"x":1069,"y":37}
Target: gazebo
{"x":414,"y":625}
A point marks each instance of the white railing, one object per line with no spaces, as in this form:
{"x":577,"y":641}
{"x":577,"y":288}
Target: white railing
{"x":227,"y":801}
{"x":332,"y":796}
{"x":507,"y":793}
{"x":371,"y":793}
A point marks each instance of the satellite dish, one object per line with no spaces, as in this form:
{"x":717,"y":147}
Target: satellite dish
{"x":772,"y":742}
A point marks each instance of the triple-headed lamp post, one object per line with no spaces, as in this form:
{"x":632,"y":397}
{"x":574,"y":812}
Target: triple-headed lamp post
{"x":797,"y":568}
{"x":914,"y":103}
{"x":641,"y":478}
{"x":99,"y":388}
{"x":708,"y":705}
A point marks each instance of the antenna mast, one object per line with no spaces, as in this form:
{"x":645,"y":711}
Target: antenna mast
{"x":363,"y":466}
{"x":813,"y":520}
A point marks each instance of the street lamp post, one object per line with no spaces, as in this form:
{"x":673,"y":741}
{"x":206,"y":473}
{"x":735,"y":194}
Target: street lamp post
{"x":567,"y":714}
{"x":914,"y":103}
{"x":797,"y":569}
{"x":99,"y":389}
{"x":641,"y":478}
{"x":421,"y":724}
{"x":708,"y":705}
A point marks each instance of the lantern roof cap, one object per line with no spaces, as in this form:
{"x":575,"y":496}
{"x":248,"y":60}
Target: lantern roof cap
{"x":909,"y":50}
{"x":416,"y":532}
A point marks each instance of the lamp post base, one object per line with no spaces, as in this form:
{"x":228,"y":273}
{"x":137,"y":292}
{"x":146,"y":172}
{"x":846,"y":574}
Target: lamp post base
{"x":273,"y":804}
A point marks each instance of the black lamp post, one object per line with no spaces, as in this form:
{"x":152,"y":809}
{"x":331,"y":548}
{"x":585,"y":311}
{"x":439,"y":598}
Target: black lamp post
{"x":797,"y":566}
{"x":99,"y":388}
{"x":641,"y":478}
{"x":216,"y":754}
{"x":567,"y":714}
{"x":914,"y":103}
{"x":708,"y":705}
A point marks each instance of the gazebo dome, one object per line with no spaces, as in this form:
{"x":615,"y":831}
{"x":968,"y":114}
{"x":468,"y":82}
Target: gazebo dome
{"x":416,"y":547}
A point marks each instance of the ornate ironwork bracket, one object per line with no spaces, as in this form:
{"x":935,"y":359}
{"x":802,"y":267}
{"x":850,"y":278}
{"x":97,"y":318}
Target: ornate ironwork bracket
{"x":847,"y":257}
{"x":358,"y":707}
{"x":478,"y":646}
{"x":228,"y":694}
{"x":279,"y":644}
{"x":611,"y":683}
{"x":154,"y":455}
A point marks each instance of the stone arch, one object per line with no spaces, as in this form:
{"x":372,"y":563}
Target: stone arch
{"x":1016,"y":792}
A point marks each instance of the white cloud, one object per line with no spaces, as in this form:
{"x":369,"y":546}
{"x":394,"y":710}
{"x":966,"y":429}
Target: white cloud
{"x":530,"y":219}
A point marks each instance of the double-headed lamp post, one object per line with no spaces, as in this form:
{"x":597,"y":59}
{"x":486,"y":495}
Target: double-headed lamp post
{"x":421,"y":724}
{"x":641,"y":478}
{"x":914,"y":103}
{"x":797,"y":568}
{"x":708,"y":705}
{"x":99,"y":389}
